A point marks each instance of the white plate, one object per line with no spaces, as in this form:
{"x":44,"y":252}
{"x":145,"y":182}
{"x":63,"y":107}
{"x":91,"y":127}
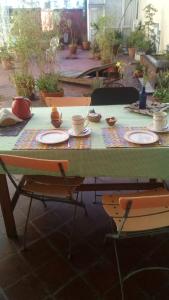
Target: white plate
{"x":52,"y":137}
{"x":150,"y":127}
{"x":141,"y":137}
{"x":85,"y":132}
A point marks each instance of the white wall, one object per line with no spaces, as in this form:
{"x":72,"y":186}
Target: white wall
{"x":160,"y":17}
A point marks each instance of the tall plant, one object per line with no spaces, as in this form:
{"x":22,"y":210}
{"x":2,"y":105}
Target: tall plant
{"x":105,"y":37}
{"x":27,"y":38}
{"x":150,"y":12}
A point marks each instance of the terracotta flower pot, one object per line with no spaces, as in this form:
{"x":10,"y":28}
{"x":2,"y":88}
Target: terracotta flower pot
{"x":73,"y":48}
{"x":86,"y":45}
{"x":44,"y":94}
{"x":132,"y":52}
{"x":7,"y":64}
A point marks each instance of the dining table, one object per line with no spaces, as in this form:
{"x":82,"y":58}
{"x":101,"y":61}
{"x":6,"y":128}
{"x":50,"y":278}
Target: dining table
{"x":104,"y":153}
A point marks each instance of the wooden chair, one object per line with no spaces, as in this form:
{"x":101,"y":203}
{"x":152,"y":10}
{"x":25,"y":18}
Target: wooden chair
{"x":137,"y":215}
{"x":68,"y":101}
{"x":44,"y":187}
{"x":114,"y":95}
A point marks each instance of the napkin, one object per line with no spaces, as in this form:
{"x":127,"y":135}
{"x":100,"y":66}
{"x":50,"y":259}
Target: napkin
{"x":7,"y":118}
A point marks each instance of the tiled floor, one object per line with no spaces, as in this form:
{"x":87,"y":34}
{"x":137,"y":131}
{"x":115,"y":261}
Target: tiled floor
{"x":64,"y":66}
{"x":43,"y":272}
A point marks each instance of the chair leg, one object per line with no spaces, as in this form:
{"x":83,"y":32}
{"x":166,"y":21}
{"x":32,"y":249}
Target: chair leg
{"x":72,"y":231}
{"x":26,"y":224}
{"x":95,"y":193}
{"x":118,"y":268}
{"x":44,"y":203}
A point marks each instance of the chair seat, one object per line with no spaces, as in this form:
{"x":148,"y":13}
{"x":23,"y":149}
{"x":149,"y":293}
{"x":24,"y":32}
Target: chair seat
{"x":51,"y":186}
{"x":138,"y":219}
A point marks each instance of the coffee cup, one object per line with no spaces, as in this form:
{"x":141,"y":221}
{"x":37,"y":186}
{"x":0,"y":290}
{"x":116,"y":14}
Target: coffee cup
{"x":160,"y":120}
{"x":79,"y":123}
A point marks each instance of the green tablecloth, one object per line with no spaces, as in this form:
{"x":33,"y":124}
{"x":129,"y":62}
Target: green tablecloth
{"x":149,"y":162}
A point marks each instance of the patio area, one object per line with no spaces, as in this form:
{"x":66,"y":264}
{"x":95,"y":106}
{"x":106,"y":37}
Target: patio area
{"x":67,"y":66}
{"x":43,"y":272}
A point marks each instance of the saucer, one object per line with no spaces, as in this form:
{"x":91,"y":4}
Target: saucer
{"x":86,"y":131}
{"x":150,"y":127}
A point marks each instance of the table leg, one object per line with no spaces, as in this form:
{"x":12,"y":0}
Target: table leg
{"x":6,"y":207}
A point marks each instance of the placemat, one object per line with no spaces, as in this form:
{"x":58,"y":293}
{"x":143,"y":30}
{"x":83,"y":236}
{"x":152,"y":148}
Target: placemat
{"x":150,"y":109}
{"x":13,"y":130}
{"x":114,"y":137}
{"x":27,"y":141}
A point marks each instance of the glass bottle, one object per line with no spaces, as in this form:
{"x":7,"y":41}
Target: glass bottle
{"x":142,"y":98}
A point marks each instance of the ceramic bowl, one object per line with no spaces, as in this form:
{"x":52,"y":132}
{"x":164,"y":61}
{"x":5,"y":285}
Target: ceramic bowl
{"x":111,"y":121}
{"x":93,"y":117}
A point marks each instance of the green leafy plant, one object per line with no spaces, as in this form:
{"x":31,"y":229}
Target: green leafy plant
{"x":72,"y":33}
{"x":5,"y":53}
{"x":104,"y":37}
{"x":97,"y":83}
{"x":24,"y":84}
{"x":48,"y":82}
{"x":149,"y":13}
{"x":27,"y":38}
{"x":162,"y":87}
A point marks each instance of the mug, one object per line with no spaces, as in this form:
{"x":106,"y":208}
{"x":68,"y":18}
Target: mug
{"x":160,"y":120}
{"x":79,"y":123}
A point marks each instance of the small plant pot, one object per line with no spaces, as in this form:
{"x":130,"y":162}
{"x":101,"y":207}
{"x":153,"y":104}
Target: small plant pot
{"x":7,"y":64}
{"x":86,"y":45}
{"x":132,"y":52}
{"x":73,"y":49}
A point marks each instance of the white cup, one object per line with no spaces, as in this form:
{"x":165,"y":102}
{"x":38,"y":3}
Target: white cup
{"x":79,"y":123}
{"x":160,"y":120}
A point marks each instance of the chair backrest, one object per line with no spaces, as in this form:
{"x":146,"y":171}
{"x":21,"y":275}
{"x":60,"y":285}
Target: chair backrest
{"x":114,"y":95}
{"x":67,"y":101}
{"x":35,"y":163}
{"x":144,"y":202}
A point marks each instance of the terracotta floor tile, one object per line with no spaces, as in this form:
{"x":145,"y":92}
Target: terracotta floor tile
{"x":3,"y":296}
{"x":28,"y":288}
{"x":7,"y":247}
{"x":31,"y":236}
{"x":96,"y":239}
{"x":19,"y":218}
{"x":37,"y":208}
{"x":12,"y":269}
{"x":47,"y":223}
{"x":59,"y":241}
{"x":55,"y":273}
{"x":101,"y":276}
{"x":162,"y":294}
{"x":76,"y":290}
{"x":152,"y":282}
{"x":83,"y":256}
{"x":131,"y":292}
{"x":38,"y":253}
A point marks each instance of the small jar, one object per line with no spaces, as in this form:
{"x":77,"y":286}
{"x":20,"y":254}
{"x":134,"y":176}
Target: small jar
{"x":55,"y":114}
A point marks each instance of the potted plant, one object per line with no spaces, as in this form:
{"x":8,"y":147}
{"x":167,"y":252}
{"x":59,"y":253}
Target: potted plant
{"x":139,"y":71}
{"x":73,"y":44}
{"x":6,"y":58}
{"x":49,"y":86}
{"x":24,"y":83}
{"x":28,"y":40}
{"x":105,"y":37}
{"x":162,"y":87}
{"x":85,"y":43}
{"x":118,"y":38}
